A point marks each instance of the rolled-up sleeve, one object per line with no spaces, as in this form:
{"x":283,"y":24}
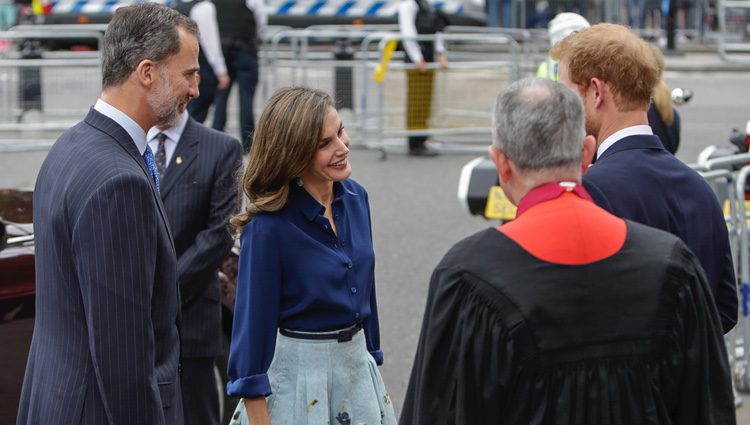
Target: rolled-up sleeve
{"x":256,"y":312}
{"x":372,"y":331}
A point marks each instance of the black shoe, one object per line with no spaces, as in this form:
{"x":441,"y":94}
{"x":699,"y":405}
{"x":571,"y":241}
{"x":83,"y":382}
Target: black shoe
{"x":423,"y":151}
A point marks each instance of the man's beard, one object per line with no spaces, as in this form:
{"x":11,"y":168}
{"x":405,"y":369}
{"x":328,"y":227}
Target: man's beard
{"x":164,"y":103}
{"x":592,"y":128}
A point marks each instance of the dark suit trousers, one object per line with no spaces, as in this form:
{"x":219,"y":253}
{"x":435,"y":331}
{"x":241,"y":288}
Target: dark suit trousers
{"x":242,"y":63}
{"x":200,"y":394}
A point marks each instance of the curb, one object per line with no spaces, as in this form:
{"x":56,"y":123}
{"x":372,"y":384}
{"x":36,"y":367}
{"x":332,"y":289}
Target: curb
{"x":701,"y":57}
{"x":705,"y":65}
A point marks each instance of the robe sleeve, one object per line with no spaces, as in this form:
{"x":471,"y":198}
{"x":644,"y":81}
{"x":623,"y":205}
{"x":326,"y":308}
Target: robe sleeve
{"x":706,"y":390}
{"x":463,"y":341}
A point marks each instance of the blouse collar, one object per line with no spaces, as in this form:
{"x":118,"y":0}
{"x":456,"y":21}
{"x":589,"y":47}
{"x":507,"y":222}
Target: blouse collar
{"x":309,"y":206}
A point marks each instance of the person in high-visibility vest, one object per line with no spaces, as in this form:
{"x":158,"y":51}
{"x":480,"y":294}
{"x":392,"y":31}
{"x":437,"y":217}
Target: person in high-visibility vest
{"x":561,"y":26}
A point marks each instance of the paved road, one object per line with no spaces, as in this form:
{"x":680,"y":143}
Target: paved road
{"x":417,"y":217}
{"x":720,"y":103}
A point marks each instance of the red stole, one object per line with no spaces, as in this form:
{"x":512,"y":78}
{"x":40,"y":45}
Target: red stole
{"x":559,"y":223}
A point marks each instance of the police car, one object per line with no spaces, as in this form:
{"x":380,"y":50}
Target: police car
{"x":294,"y":13}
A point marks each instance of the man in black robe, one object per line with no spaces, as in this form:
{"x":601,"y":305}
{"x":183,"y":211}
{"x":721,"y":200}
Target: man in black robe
{"x":568,"y":314}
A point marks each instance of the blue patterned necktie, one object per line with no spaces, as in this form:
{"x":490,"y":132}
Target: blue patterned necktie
{"x":161,"y":154}
{"x":148,"y":156}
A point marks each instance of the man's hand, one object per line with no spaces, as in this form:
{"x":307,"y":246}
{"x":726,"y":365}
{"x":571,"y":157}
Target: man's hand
{"x":224,"y":81}
{"x":421,"y":65}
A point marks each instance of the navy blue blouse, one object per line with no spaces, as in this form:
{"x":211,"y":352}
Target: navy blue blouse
{"x":295,"y":273}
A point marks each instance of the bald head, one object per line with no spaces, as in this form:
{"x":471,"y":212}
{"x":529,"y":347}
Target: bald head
{"x":539,"y":125}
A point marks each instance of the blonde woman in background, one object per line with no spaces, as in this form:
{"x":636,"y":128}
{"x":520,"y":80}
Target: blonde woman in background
{"x":662,"y":117}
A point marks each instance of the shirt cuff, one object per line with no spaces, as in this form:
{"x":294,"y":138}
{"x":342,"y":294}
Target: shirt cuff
{"x":250,"y":387}
{"x":378,"y":356}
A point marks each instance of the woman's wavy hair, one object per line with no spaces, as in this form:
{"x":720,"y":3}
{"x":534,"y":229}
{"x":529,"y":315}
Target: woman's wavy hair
{"x":284,"y":144}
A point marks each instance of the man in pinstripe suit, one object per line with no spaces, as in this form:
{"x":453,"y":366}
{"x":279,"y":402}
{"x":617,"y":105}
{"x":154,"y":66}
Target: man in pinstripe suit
{"x":196,"y":165}
{"x":106,"y":344}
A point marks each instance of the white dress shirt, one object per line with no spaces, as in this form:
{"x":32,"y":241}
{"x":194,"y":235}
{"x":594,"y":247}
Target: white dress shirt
{"x":625,"y":132}
{"x":131,"y":127}
{"x":173,"y":134}
{"x":407,"y":15}
{"x":204,"y":15}
{"x":258,"y":7}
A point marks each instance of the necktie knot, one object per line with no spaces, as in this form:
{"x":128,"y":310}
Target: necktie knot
{"x":148,"y":157}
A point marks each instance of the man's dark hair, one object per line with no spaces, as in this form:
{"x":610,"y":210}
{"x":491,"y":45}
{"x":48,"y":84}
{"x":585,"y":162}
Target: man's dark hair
{"x":139,"y":32}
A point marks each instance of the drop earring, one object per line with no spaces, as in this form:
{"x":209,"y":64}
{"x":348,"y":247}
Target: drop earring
{"x":299,"y":181}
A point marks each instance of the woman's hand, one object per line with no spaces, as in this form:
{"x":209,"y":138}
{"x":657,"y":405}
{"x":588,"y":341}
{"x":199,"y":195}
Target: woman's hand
{"x":442,"y":60}
{"x":257,"y":411}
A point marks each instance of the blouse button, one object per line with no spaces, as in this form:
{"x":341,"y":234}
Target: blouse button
{"x":356,"y":315}
{"x":335,"y":245}
{"x":354,"y":290}
{"x":349,"y":266}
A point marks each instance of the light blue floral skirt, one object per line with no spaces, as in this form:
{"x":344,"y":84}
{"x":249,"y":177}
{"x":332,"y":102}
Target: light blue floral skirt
{"x":318,"y":382}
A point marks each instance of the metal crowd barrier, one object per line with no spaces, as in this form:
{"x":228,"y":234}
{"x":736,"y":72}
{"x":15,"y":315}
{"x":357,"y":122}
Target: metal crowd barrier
{"x":312,"y":56}
{"x":343,"y":61}
{"x":42,"y":93}
{"x":734,"y":23}
{"x":96,"y":30}
{"x":459,"y":109}
{"x":728,"y":177}
{"x":742,"y":331}
{"x":534,"y":42}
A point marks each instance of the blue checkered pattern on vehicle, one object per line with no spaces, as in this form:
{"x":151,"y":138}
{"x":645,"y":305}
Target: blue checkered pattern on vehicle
{"x":275,"y":7}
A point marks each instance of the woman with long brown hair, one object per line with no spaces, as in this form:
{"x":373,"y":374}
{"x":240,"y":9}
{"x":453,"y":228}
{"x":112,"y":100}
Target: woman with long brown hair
{"x":305,"y":323}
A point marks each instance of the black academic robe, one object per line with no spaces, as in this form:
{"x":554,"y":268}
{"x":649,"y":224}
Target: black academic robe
{"x":632,"y":339}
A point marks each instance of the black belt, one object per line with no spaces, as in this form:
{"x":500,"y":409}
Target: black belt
{"x":340,"y":336}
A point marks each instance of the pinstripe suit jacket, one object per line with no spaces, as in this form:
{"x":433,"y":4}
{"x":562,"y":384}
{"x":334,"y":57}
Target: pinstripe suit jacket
{"x":106,"y":344}
{"x":199,"y":196}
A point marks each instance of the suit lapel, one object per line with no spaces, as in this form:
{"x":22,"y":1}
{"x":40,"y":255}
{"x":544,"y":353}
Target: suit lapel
{"x":183,"y":157}
{"x":114,"y":130}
